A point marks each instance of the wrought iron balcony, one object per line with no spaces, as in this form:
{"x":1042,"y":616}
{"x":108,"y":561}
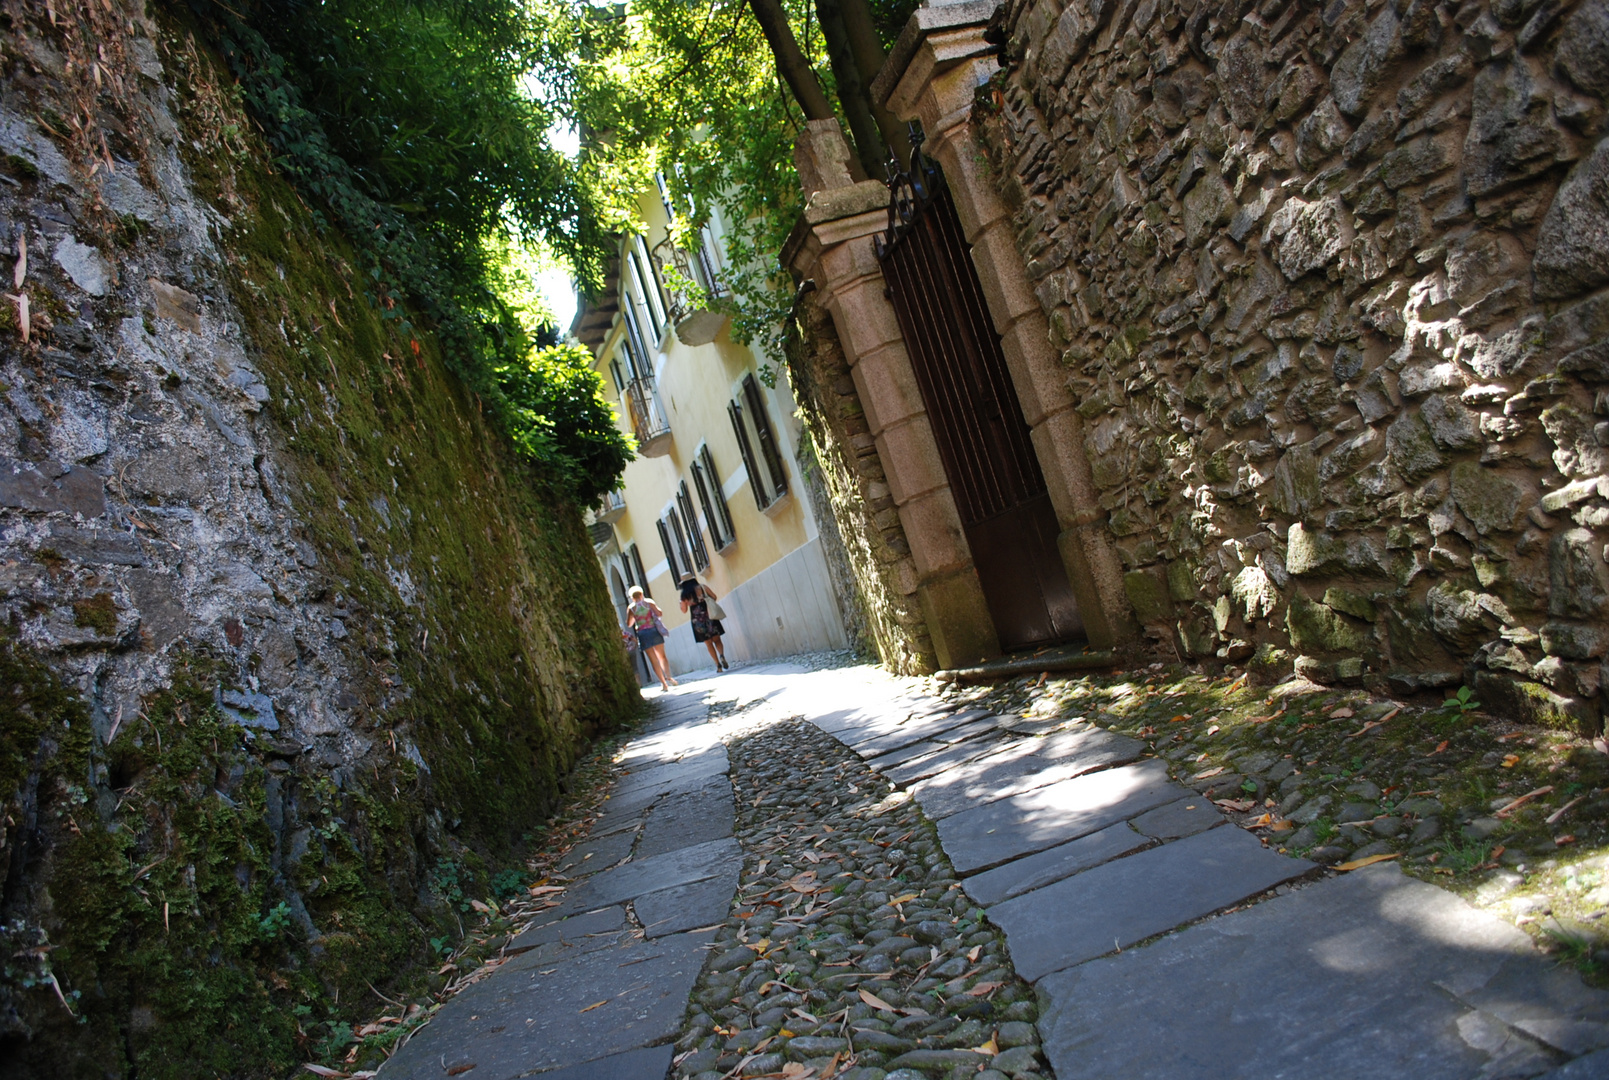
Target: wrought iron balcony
{"x":648,"y":421}
{"x":697,"y":322}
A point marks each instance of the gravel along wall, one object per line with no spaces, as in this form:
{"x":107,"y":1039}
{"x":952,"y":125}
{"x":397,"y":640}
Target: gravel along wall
{"x":290,"y":650}
{"x":1329,"y":284}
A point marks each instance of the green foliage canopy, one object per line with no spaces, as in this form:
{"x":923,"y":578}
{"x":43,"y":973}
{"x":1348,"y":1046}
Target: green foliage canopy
{"x":415,"y":126}
{"x":691,"y":90}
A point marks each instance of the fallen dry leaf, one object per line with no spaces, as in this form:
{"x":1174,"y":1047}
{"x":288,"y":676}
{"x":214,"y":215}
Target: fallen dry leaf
{"x":480,"y":907}
{"x":1214,"y":729}
{"x":904,"y":898}
{"x":1370,"y":861}
{"x":795,"y":1071}
{"x":1561,"y":841}
{"x":1439,"y":748}
{"x":876,"y":1002}
{"x":595,"y":1005}
{"x":1341,"y":713}
{"x":1210,"y":772}
{"x":1510,"y":760}
{"x":991,"y":1047}
{"x":1523,"y":799}
{"x":1284,"y":826}
{"x":459,"y":1070}
{"x":984,"y":988}
{"x":1236,"y":806}
{"x":973,"y":954}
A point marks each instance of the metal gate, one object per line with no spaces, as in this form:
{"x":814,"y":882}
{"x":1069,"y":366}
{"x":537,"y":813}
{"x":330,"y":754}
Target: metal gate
{"x":972,"y":406}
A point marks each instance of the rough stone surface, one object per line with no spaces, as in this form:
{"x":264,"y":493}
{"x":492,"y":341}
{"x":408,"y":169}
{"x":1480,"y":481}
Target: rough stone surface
{"x":1320,"y":316}
{"x":1382,"y":976}
{"x":1022,"y":824}
{"x":1119,"y":903}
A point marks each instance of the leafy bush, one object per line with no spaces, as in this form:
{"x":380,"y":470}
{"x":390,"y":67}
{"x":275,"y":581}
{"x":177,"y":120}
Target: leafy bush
{"x":411,"y":127}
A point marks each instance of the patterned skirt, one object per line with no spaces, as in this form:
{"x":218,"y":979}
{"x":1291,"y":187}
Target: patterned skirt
{"x":704,"y":627}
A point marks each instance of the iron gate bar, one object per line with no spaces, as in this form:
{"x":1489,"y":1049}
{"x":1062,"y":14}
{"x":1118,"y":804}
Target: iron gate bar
{"x":984,"y":443}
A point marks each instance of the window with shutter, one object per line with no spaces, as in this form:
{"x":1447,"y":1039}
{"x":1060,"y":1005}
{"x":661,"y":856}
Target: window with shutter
{"x":670,"y":550}
{"x":762,"y":496}
{"x":695,"y":535}
{"x":769,"y":450}
{"x":707,"y":482}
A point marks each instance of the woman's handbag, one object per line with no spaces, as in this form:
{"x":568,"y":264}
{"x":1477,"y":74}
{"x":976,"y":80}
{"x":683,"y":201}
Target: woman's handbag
{"x":714,"y":608}
{"x":659,"y":624}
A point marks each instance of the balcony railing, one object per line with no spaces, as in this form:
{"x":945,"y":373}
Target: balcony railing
{"x":648,"y":421}
{"x":696,"y":320}
{"x":610,"y":507}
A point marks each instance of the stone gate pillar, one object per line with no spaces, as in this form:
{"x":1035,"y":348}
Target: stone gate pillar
{"x":832,"y":245}
{"x":933,"y":75}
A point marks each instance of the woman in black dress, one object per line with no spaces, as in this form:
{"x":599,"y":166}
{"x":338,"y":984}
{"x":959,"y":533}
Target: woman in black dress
{"x":695,"y":601}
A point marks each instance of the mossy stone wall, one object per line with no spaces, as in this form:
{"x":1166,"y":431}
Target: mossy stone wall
{"x":295,"y":653}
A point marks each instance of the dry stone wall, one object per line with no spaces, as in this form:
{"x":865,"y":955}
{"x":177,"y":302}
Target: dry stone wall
{"x":1329,"y":285}
{"x":291,"y":651}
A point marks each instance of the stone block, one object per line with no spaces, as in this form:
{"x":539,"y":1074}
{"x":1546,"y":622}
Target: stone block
{"x":911,"y":461}
{"x":52,"y":486}
{"x":958,"y":618}
{"x":1118,"y":903}
{"x":683,"y":866}
{"x":1370,"y":951}
{"x":1021,"y":766}
{"x":1035,"y":871}
{"x":1179,"y":819}
{"x":999,"y":266}
{"x":1490,"y":500}
{"x":1578,"y":580}
{"x":688,"y":907}
{"x":933,"y":529}
{"x":1574,"y":641}
{"x":1148,"y":595}
{"x":989,"y":836}
{"x":865,"y":318}
{"x":889,"y":392}
{"x":522,"y":1019}
{"x":1523,"y":701}
{"x":1037,"y":377}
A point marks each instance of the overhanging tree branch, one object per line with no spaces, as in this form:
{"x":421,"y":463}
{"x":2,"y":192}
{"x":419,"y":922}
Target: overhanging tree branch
{"x":791,"y":63}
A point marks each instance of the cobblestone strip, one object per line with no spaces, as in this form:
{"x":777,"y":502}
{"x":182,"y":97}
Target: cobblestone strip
{"x":851,"y":951}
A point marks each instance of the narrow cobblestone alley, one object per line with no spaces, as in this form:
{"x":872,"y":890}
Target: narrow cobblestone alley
{"x":843,"y":874}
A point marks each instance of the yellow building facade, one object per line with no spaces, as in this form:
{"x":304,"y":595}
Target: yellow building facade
{"x":715,"y":490}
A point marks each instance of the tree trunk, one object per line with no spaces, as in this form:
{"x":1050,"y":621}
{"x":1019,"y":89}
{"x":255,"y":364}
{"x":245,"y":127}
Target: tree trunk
{"x":852,"y":90}
{"x":867,"y":49}
{"x":791,"y":63}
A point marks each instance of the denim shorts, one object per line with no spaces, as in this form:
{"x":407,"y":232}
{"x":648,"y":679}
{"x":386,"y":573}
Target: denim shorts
{"x":648,"y":637}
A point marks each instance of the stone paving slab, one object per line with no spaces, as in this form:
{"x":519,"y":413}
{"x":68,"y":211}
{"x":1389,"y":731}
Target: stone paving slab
{"x":570,"y":928}
{"x":684,"y":866}
{"x":519,"y":1022}
{"x":989,"y":835}
{"x":649,"y":1063}
{"x":1179,"y":819}
{"x":688,"y":907}
{"x":1022,"y":766}
{"x":684,"y":818}
{"x":916,"y":730}
{"x":691,"y":769}
{"x":1042,"y":868}
{"x":597,"y":853}
{"x":1594,"y":1066}
{"x":942,"y":757}
{"x":1340,"y":980}
{"x":1119,"y":903}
